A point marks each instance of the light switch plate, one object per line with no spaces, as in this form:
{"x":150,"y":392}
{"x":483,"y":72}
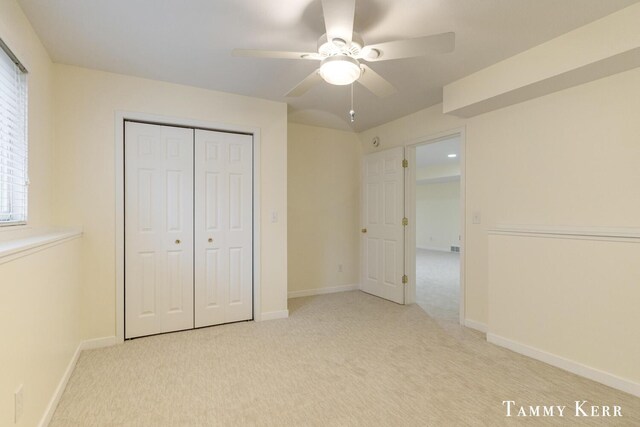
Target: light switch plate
{"x":19,"y":404}
{"x":476,"y":218}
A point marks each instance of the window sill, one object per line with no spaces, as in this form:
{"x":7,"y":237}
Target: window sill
{"x":27,"y":240}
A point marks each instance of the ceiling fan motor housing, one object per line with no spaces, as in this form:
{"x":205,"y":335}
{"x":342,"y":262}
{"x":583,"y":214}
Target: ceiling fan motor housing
{"x":336,"y":46}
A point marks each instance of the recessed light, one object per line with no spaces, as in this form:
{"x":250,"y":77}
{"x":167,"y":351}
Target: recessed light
{"x":452,"y":155}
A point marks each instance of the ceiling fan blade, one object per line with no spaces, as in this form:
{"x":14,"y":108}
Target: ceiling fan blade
{"x":375,"y":83}
{"x":310,"y":81}
{"x":253,"y":53}
{"x":338,"y":18}
{"x":420,"y":46}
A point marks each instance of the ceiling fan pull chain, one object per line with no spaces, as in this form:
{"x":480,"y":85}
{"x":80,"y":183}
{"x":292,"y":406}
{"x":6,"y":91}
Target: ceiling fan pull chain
{"x":352,"y":113}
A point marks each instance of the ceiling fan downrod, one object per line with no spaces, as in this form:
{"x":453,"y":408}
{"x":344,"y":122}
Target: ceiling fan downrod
{"x":352,"y":113}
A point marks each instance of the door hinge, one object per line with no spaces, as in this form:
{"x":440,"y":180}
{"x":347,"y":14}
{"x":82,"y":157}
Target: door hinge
{"x":405,"y":279}
{"x":405,"y":163}
{"x":405,"y":221}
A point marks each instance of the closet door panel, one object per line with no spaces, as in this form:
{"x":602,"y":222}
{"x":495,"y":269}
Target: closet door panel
{"x":223,"y":228}
{"x":158,"y":229}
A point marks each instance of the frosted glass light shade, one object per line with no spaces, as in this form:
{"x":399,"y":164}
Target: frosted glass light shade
{"x":340,"y":70}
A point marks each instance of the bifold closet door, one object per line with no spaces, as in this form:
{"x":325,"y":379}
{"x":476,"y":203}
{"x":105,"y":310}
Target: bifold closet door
{"x":223,"y":227}
{"x":158,"y":229}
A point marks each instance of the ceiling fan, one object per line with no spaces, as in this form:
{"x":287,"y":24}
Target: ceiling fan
{"x":340,"y":50}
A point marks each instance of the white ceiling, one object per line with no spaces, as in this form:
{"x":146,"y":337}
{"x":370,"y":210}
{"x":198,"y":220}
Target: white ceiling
{"x":436,"y":153}
{"x":190,"y":42}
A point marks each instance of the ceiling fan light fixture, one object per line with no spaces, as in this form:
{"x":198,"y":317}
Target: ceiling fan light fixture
{"x":340,"y":70}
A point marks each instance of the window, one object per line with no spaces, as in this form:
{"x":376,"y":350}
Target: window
{"x":13,"y":139}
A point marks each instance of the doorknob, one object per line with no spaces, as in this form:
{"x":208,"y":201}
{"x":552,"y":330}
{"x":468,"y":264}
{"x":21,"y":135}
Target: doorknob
{"x":177,"y":241}
{"x":210,"y":240}
{"x":364,"y":230}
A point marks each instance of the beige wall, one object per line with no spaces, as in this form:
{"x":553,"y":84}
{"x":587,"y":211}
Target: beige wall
{"x":587,"y":289}
{"x":85,"y":107}
{"x":40,"y":292}
{"x":438,"y":215}
{"x":39,"y":325}
{"x":569,"y":158}
{"x":566,"y":158}
{"x":602,"y":48}
{"x":324,"y":207}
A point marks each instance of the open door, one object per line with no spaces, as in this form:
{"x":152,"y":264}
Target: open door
{"x":382,"y":245}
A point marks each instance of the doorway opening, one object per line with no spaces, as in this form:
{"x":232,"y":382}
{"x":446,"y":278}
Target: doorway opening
{"x":436,"y":188}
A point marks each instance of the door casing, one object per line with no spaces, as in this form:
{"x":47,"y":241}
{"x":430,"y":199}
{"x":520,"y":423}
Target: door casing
{"x":410,"y":209}
{"x":410,"y":213}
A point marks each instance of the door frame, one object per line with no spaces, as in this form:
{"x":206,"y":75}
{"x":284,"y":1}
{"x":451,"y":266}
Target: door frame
{"x":410,"y":213}
{"x":120,"y":118}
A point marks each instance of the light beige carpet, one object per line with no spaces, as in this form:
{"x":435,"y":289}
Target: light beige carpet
{"x":347,"y":359}
{"x":438,"y":283}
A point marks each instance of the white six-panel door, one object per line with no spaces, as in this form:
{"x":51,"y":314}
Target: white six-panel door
{"x":223,"y":228}
{"x":188,"y":228}
{"x":382,"y":214}
{"x":158,"y":229}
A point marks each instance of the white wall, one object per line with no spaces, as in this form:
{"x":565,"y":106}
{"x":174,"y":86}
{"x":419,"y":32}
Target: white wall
{"x":433,"y":172}
{"x":86,"y":102}
{"x":324,"y":208}
{"x":40,"y":292}
{"x":438,"y":215}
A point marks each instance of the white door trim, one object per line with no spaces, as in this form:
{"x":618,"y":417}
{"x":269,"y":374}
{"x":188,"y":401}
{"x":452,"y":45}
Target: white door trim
{"x":410,"y":209}
{"x":120,"y":117}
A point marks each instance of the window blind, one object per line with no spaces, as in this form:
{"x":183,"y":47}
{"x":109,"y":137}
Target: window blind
{"x":13,"y":139}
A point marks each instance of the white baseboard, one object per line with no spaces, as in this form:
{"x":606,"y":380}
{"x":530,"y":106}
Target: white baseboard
{"x":478,"y":326}
{"x":434,"y":248}
{"x":438,"y":248}
{"x":568,"y":365}
{"x":273,"y":315}
{"x":322,"y":291}
{"x":98,"y":343}
{"x":57,"y":394}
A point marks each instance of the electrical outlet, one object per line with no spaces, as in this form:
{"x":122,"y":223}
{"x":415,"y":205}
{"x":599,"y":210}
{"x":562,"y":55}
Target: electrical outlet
{"x":274,"y":216}
{"x":339,"y":268}
{"x":19,"y":404}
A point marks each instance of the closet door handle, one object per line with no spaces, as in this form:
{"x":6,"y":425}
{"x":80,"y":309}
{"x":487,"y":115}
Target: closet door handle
{"x":177,"y":241}
{"x":210,"y":240}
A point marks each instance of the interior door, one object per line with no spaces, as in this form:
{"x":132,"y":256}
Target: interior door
{"x":383,"y":232}
{"x":158,"y":229}
{"x":223,"y":227}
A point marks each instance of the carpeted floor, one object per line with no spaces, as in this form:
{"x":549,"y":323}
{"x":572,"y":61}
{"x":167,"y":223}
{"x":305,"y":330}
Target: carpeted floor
{"x":438,"y":284}
{"x":346,"y":359}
